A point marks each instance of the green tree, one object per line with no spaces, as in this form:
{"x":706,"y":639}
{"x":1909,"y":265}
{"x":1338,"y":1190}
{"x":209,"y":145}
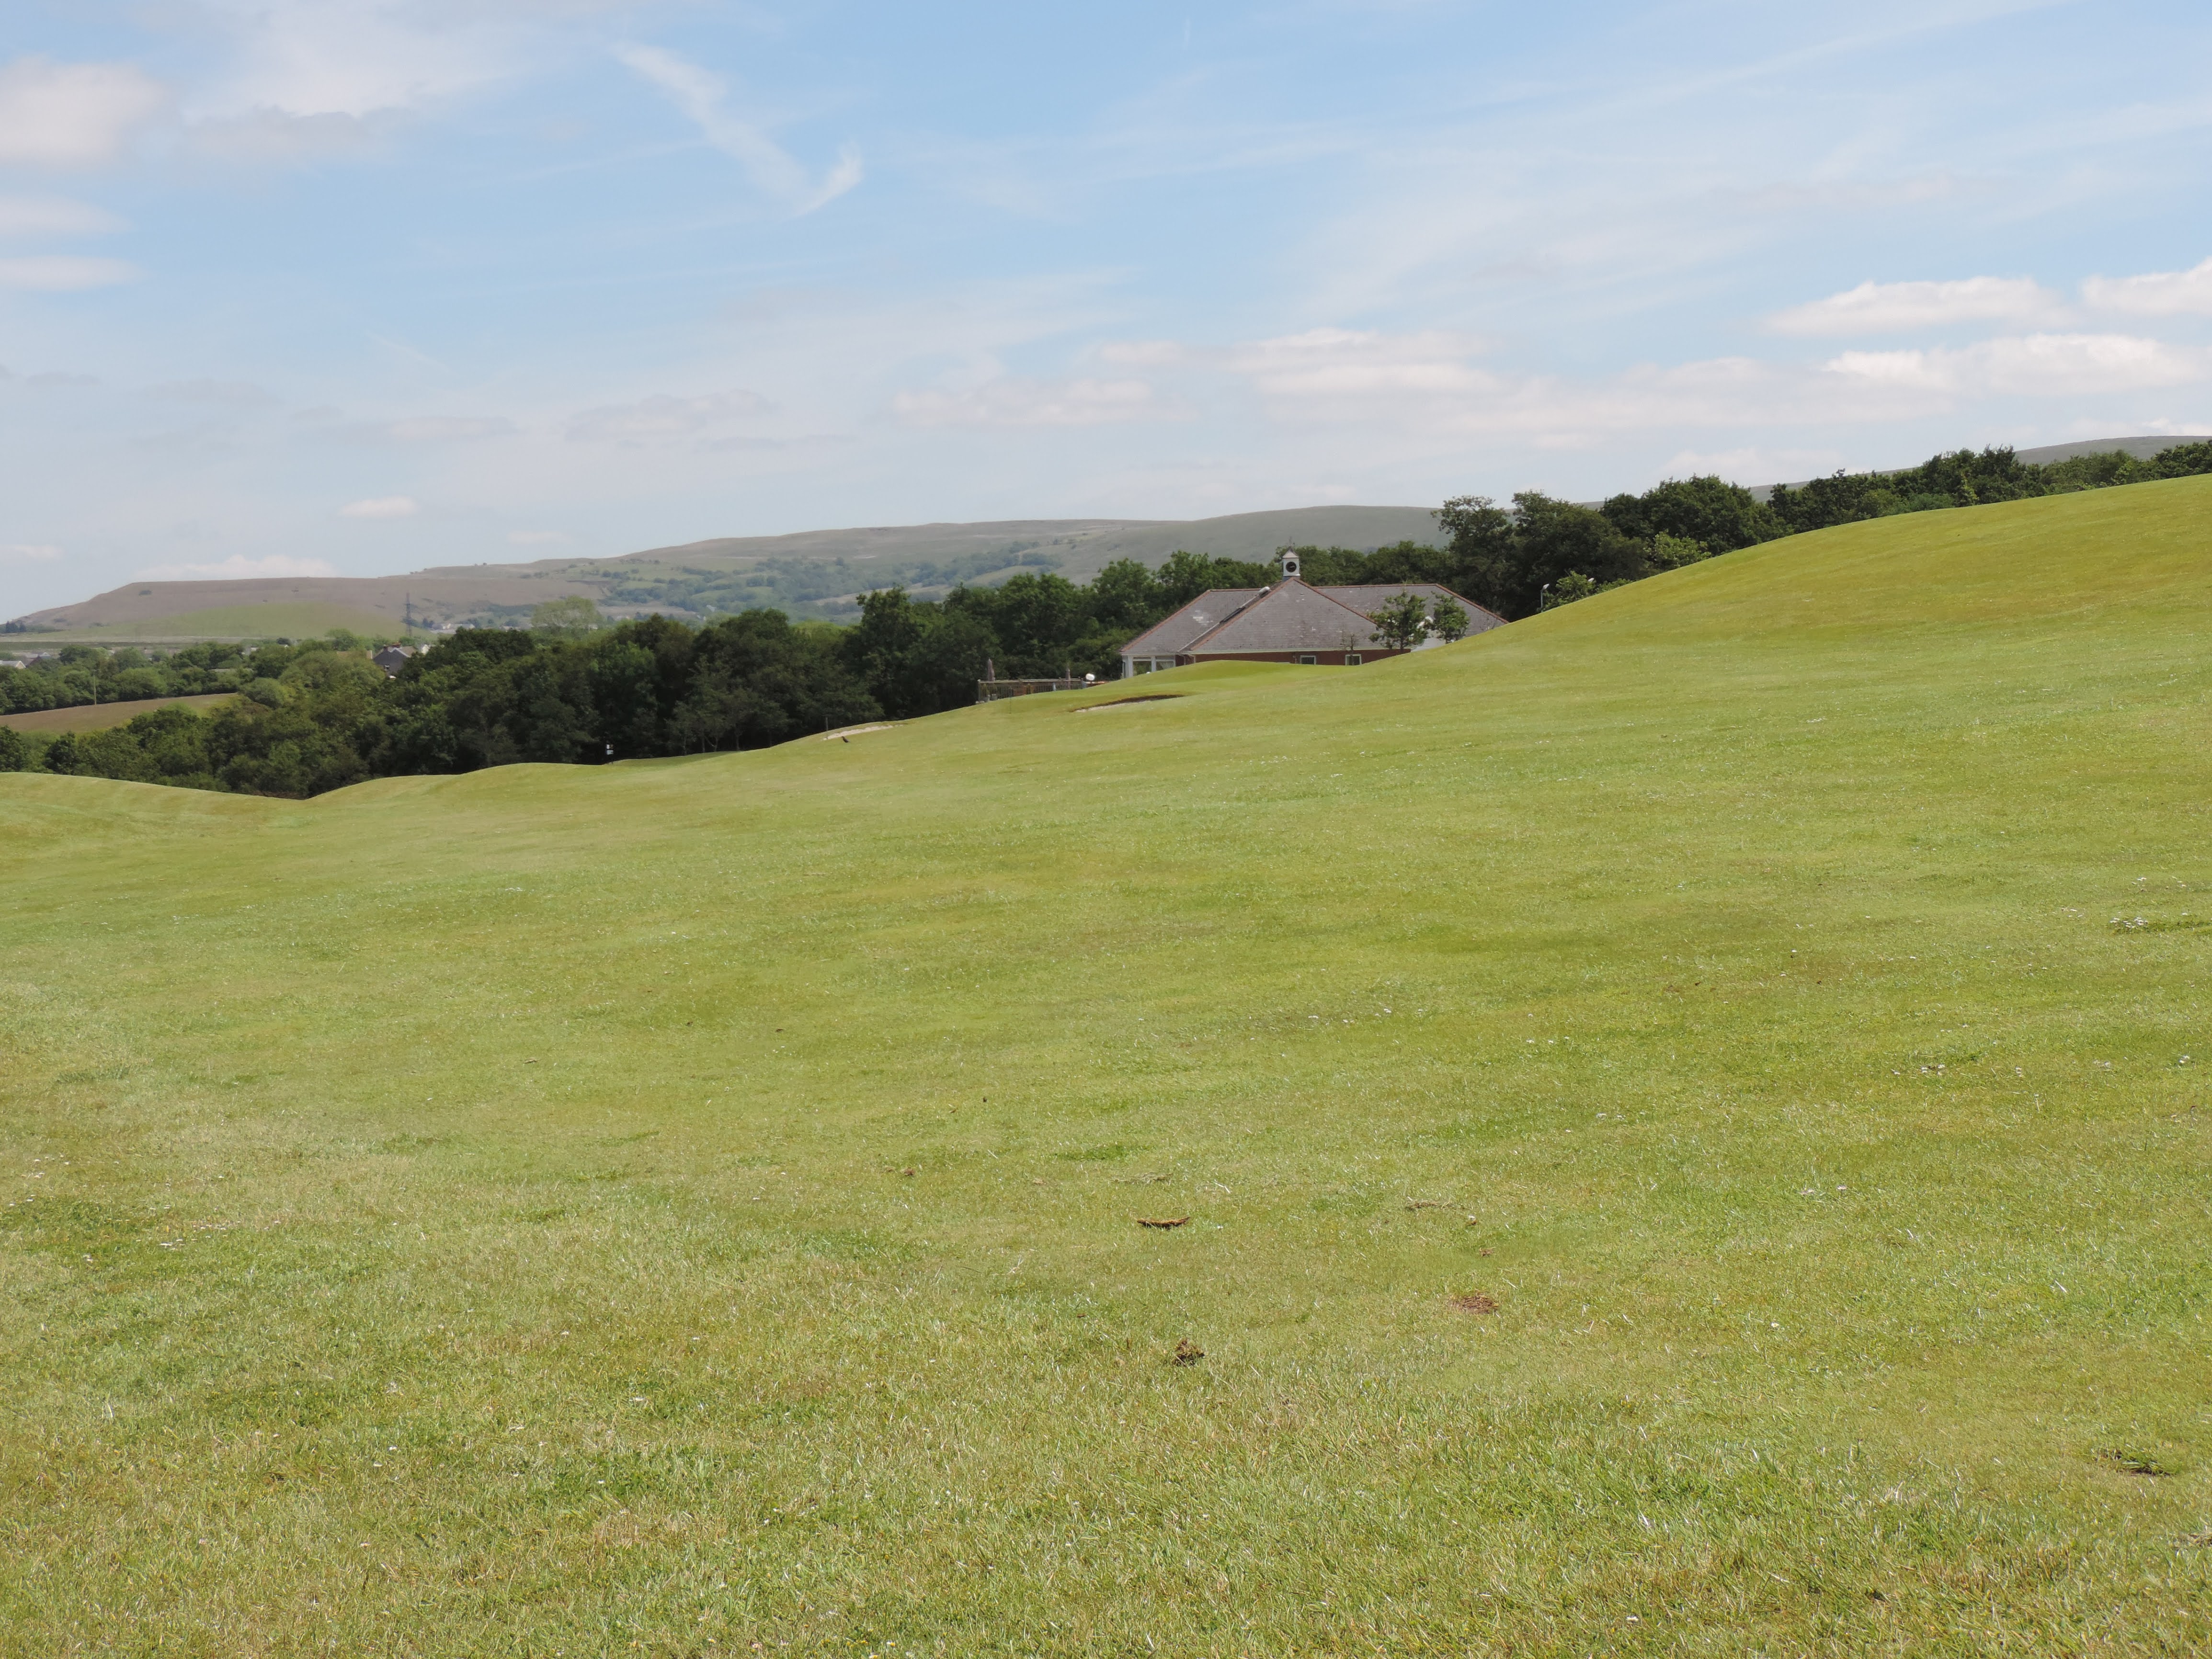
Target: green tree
{"x":878,"y":649}
{"x":328,"y":671}
{"x":623,"y":685}
{"x":1407,"y":561}
{"x":1574,"y":585}
{"x":1124,"y":598}
{"x":1479,"y":541}
{"x":1400,"y":621}
{"x":1036,"y":620}
{"x":946,"y":662}
{"x":14,"y":754}
{"x":1186,"y":575}
{"x":1328,"y":567}
{"x":1718,"y":515}
{"x":1673,"y":552}
{"x":1552,"y":538}
{"x":2182,"y":461}
{"x":1448,"y":618}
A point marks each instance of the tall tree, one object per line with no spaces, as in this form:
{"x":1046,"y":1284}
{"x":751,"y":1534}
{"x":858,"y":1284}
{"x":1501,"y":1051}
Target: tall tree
{"x":1478,"y":537}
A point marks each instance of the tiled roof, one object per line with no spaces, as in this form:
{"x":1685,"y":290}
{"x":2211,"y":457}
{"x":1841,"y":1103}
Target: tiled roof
{"x":1207,"y":611}
{"x":1291,"y":618}
{"x":1369,"y":599}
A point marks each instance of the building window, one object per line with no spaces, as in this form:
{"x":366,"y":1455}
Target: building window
{"x":1352,"y":659}
{"x":1309,"y":660}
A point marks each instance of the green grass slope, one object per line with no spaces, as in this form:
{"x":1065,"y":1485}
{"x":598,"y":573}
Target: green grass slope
{"x":690,"y":1205}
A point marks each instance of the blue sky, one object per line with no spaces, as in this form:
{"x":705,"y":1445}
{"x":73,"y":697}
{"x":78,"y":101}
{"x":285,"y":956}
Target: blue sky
{"x":356,"y":286}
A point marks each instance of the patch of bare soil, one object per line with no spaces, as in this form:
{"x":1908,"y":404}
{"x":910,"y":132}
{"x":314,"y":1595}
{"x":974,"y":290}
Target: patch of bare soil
{"x":1474,"y":1302}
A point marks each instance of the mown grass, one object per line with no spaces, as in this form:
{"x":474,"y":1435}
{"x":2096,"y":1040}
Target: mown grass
{"x":474,"y":1215}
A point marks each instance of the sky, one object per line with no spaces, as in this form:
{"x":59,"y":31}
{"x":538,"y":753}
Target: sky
{"x":353,"y":286}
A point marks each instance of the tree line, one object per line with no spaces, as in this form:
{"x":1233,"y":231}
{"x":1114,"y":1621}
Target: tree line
{"x":320,"y":715}
{"x":77,"y":675}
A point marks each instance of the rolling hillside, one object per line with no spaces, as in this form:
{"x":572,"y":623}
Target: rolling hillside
{"x":1671,"y":1127}
{"x":806,"y":574}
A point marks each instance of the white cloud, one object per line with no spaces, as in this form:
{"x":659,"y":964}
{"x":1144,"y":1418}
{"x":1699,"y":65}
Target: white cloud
{"x":2158,"y":294}
{"x":1422,"y":389}
{"x":63,"y":273}
{"x":700,"y":94}
{"x":312,"y":78}
{"x":33,"y":552}
{"x":73,"y":114}
{"x":381,"y":507}
{"x":1896,"y":308}
{"x":2034,"y":365}
{"x":663,"y":416}
{"x":1015,"y":403}
{"x":1348,"y":363}
{"x":237,"y":566}
{"x":351,"y":58}
{"x":54,"y":216}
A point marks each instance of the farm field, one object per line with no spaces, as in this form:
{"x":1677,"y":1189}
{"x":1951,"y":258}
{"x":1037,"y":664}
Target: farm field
{"x":265,"y":620}
{"x":98,"y":717}
{"x":1684,"y":1116}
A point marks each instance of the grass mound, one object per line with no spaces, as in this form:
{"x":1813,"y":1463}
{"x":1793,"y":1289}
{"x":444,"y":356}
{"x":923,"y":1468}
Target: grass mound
{"x":1675,"y":1122}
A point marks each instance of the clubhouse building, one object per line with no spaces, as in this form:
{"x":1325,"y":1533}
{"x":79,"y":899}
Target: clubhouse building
{"x":1290,"y":621}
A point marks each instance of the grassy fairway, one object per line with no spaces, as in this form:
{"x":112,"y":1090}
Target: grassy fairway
{"x":690,"y":1205}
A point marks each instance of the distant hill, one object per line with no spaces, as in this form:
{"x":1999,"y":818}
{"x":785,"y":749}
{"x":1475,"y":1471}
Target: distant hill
{"x":814,"y":573}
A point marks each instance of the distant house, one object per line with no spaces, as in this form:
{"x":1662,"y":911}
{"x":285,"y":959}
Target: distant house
{"x":1290,"y":621}
{"x":393,"y":657}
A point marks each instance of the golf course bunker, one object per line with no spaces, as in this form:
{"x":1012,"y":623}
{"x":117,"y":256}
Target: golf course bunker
{"x":1131,"y":702}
